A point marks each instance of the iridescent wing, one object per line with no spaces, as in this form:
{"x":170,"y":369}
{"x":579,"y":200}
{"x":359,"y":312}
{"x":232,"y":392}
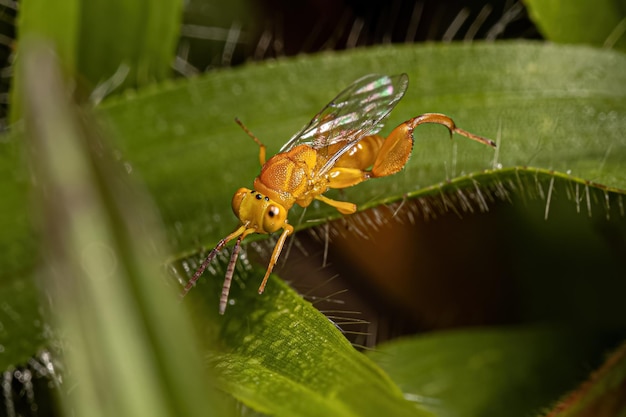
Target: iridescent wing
{"x":356,"y":112}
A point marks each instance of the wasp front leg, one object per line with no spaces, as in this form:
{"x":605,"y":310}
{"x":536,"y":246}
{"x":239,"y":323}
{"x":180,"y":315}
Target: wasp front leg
{"x":287,"y":230}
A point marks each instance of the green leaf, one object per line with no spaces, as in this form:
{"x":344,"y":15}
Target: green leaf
{"x":600,"y":23}
{"x":141,"y":46}
{"x":547,"y":106}
{"x":280,"y":356}
{"x":556,"y":112}
{"x":602,"y":394}
{"x":145,"y":37}
{"x":489,"y":372}
{"x":128,"y":348}
{"x":559,"y":108}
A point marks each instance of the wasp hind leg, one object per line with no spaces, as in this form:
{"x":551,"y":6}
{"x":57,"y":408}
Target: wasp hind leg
{"x":352,"y":167}
{"x":395,"y":151}
{"x":385,"y":156}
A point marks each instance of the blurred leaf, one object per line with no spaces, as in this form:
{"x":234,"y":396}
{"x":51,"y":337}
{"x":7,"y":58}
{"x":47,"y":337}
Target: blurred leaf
{"x":593,"y":22}
{"x":218,"y":34}
{"x":139,"y":50}
{"x":488,"y":372}
{"x":128,"y":348}
{"x":603,"y":395}
{"x":144,"y":39}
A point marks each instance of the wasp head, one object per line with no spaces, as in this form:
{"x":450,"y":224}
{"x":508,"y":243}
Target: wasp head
{"x":258,"y":211}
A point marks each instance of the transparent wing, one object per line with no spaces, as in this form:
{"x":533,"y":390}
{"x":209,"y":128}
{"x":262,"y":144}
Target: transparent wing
{"x":357,"y":111}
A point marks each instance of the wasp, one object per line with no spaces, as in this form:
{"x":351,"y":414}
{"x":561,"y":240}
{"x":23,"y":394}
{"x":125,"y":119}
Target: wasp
{"x":338,"y":148}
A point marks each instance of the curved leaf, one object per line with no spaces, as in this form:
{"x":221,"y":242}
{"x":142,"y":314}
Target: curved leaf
{"x":600,"y":23}
{"x":489,"y":372}
{"x":547,"y":106}
{"x":280,"y":356}
{"x":602,"y":394}
{"x":141,"y":47}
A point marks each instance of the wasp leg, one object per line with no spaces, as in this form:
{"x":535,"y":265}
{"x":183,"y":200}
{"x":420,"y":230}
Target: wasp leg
{"x":395,"y":151}
{"x":343,"y":207}
{"x":446,"y":121}
{"x":347,"y":177}
{"x":351,"y":168}
{"x":386,"y":156}
{"x":262,"y":148}
{"x":287,"y":230}
{"x":363,"y":154}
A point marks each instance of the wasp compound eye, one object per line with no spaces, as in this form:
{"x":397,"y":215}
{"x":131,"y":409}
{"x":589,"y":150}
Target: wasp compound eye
{"x":274,"y":218}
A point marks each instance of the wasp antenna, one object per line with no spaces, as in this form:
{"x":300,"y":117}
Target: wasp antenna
{"x":255,"y":139}
{"x":245,"y":129}
{"x":207,"y":261}
{"x":230,"y":270}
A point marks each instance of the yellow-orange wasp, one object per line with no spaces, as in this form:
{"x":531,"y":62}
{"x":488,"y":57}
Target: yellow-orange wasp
{"x":338,"y":148}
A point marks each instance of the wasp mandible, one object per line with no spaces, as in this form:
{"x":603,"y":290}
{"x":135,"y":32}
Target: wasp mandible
{"x":338,"y":148}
